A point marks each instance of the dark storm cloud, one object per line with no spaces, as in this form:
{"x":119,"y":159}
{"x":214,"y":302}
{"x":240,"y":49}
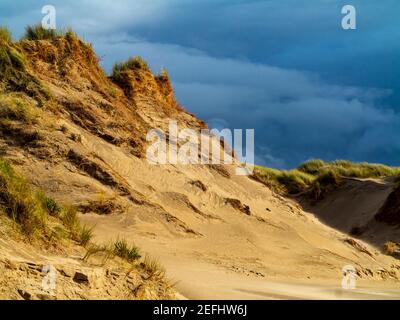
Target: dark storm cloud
{"x":284,"y":68}
{"x":296,"y":115}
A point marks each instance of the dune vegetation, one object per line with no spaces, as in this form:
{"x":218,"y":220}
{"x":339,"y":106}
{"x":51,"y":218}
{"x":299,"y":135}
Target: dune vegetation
{"x":37,"y":215}
{"x":41,"y":218}
{"x":315,"y":177}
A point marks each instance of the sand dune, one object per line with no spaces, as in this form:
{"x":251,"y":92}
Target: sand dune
{"x":231,"y":254}
{"x":219,"y":235}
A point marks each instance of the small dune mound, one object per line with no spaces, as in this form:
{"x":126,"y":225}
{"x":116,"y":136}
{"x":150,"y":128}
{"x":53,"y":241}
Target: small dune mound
{"x":64,"y":56}
{"x":136,"y":79}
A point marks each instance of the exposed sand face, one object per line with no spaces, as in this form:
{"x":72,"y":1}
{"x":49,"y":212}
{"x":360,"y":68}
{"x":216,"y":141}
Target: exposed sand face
{"x":216,"y":251}
{"x":209,"y":245}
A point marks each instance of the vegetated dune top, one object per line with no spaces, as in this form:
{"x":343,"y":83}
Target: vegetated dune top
{"x":80,"y":135}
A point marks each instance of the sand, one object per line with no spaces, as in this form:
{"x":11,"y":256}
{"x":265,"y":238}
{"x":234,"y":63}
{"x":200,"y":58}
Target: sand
{"x":216,"y":251}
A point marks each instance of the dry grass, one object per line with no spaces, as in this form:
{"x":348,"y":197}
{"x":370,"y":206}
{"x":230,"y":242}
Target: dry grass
{"x":120,"y":248}
{"x":69,"y":218}
{"x":5,"y":34}
{"x":14,"y":74}
{"x":390,"y":248}
{"x":153,"y":268}
{"x":95,"y":250}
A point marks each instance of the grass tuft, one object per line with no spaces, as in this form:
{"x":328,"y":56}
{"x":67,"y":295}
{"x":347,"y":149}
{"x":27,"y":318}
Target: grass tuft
{"x":95,"y":249}
{"x":312,"y":166}
{"x":128,"y":252}
{"x":49,"y":204}
{"x":69,"y":217}
{"x":153,"y":267}
{"x":37,"y":32}
{"x":120,"y":69}
{"x":85,"y":235}
{"x":119,"y":248}
{"x":133,"y":63}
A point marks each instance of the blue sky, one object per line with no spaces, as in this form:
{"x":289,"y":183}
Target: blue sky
{"x":283,"y":67}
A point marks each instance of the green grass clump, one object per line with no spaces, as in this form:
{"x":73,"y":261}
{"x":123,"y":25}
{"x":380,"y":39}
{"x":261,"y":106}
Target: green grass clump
{"x":317,"y":176}
{"x":11,"y":60}
{"x":128,"y":252}
{"x":20,"y":202}
{"x":37,"y":32}
{"x":269,"y":177}
{"x":312,"y":166}
{"x":163,"y":76}
{"x":295,"y":181}
{"x":69,"y":217}
{"x":135,"y":63}
{"x":347,"y":168}
{"x":49,"y":204}
{"x":119,"y":248}
{"x":132,"y":64}
{"x":85,"y":235}
{"x":284,"y":181}
{"x":35,"y":212}
{"x":363,"y":170}
{"x":14,"y":107}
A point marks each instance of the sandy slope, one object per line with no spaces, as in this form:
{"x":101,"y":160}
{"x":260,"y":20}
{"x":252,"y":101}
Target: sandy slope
{"x":354,"y":205}
{"x":181,"y":215}
{"x":222,"y":252}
